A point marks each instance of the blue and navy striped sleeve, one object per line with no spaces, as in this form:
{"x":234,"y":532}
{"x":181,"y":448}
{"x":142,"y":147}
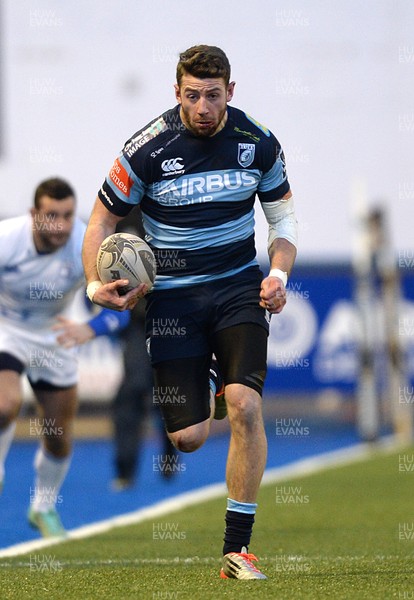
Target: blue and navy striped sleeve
{"x":274,"y":183}
{"x":122,"y":188}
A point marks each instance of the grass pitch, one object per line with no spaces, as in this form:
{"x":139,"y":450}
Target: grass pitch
{"x":346,"y":533}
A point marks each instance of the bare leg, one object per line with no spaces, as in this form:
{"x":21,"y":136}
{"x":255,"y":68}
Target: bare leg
{"x":248,"y":445}
{"x":58,"y":409}
{"x":191,"y":438}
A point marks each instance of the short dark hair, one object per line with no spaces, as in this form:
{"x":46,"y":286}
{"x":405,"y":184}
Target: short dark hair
{"x":55,"y":188}
{"x":204,"y":61}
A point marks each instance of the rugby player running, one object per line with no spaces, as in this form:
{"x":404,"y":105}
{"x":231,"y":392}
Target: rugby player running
{"x":196,"y":171}
{"x":40,"y":272}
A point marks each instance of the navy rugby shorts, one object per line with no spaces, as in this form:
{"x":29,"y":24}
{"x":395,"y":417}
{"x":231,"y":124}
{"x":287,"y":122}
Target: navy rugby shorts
{"x":186,"y":326}
{"x":182,"y":322}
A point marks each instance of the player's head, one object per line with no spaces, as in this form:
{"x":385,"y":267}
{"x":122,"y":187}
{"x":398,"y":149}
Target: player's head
{"x":203,"y":88}
{"x":204,"y":62}
{"x":53,"y":214}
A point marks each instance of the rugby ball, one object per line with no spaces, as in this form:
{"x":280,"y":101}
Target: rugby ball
{"x":126,"y":256}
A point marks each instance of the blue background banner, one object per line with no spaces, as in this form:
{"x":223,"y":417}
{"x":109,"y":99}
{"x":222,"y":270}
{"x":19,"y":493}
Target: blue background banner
{"x":314,"y":343}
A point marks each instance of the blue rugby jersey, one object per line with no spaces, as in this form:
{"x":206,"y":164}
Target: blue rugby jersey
{"x":197,"y":194}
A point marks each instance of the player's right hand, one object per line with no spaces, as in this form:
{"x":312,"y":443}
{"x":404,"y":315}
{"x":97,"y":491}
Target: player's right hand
{"x":111,"y":295}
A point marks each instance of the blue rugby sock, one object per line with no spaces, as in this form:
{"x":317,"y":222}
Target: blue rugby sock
{"x":239,"y":524}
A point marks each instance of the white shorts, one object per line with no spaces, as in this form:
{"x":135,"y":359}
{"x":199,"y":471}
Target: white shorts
{"x":41,"y":355}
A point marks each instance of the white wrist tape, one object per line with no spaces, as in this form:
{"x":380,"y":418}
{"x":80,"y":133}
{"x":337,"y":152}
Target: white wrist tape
{"x":92,"y":287}
{"x":279,"y":273}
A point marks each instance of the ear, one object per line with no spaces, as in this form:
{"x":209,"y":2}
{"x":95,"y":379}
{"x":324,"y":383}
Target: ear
{"x":177,"y":93}
{"x":230,"y":90}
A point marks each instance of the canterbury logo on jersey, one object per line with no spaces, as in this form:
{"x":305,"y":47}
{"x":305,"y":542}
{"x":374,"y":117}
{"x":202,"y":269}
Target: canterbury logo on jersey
{"x":172,"y":166}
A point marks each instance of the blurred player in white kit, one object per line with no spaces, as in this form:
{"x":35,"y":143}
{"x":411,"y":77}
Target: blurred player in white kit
{"x":40,"y":272}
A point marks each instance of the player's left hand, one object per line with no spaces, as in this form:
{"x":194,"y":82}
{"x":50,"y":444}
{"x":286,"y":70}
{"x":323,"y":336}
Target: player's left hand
{"x":71,"y":333}
{"x":272,"y":295}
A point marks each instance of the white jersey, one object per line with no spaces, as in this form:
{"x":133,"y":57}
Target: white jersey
{"x":35,"y":288}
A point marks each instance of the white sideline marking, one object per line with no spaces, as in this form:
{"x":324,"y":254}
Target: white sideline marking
{"x":197,"y":560}
{"x":300,"y":468}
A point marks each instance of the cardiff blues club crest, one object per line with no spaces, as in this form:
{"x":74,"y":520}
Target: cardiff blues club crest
{"x":245,"y":155}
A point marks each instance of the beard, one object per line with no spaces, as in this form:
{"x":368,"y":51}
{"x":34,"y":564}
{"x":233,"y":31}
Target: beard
{"x":48,"y":243}
{"x":202,"y":127}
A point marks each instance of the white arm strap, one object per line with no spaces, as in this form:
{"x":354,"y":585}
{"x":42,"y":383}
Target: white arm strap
{"x":280,"y":215}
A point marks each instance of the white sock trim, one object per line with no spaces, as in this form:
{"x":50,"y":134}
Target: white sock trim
{"x":50,"y":475}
